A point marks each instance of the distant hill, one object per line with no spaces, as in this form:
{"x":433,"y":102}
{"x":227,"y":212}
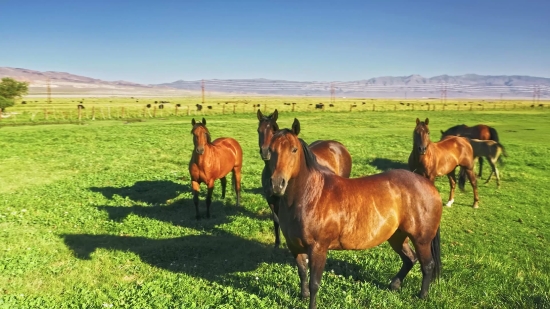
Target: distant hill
{"x":412,"y":86}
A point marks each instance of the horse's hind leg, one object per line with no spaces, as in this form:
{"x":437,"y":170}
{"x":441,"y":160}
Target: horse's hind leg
{"x":224,"y":184}
{"x":427,"y":263}
{"x":494,"y":170}
{"x":400,"y":243}
{"x":452,"y":184}
{"x":473,"y":181}
{"x":237,"y":183}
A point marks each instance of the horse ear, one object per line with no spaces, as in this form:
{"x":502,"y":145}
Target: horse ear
{"x":193,"y":122}
{"x":427,"y":121}
{"x":275,"y":115}
{"x":203,"y":121}
{"x":442,"y":132}
{"x":260,"y":115}
{"x":296,"y":126}
{"x":417,"y":121}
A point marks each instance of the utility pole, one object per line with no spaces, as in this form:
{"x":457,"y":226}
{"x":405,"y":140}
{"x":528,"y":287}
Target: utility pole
{"x":202,"y":88}
{"x":49,"y":91}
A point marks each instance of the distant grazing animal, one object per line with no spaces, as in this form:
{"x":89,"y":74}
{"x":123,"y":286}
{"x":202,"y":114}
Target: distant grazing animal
{"x":431,"y":159}
{"x":209,"y":107}
{"x":331,"y":154}
{"x":321,"y":211}
{"x":23,"y":102}
{"x":480,"y":131}
{"x":211,"y":161}
{"x":199,"y":107}
{"x":319,"y":105}
{"x":161,"y":106}
{"x":492,"y":151}
{"x":80,"y":106}
{"x":148,"y":105}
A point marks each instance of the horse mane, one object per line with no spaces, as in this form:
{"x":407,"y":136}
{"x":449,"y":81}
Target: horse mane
{"x":311,"y":159}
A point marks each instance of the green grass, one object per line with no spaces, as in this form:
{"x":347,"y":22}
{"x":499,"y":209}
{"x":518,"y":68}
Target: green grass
{"x":101,"y":213}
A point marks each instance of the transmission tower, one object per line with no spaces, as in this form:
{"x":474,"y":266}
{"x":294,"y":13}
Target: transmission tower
{"x":202,"y":88}
{"x":49,"y":91}
{"x":332,"y":93}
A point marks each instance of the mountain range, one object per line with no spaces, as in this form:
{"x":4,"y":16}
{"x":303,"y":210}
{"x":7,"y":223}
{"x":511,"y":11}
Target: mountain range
{"x":469,"y":85}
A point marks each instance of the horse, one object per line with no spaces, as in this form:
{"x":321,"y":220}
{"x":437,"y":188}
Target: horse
{"x":321,"y":211}
{"x":492,"y":151}
{"x":331,"y":154}
{"x":480,"y":131}
{"x":211,"y":161}
{"x":431,"y":159}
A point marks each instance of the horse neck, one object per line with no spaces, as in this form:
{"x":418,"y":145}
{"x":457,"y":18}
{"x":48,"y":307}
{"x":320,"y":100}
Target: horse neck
{"x":304,"y":188}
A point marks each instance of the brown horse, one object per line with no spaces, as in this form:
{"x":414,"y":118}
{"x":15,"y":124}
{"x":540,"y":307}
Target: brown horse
{"x":441,"y":158}
{"x":321,"y":211}
{"x":480,"y":131}
{"x":211,"y":161}
{"x":331,"y":154}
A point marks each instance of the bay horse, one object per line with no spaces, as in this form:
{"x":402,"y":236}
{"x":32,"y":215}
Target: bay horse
{"x":480,"y":131}
{"x":212,"y":160}
{"x":331,"y":154}
{"x":321,"y":211}
{"x":431,"y":159}
{"x":492,"y":151}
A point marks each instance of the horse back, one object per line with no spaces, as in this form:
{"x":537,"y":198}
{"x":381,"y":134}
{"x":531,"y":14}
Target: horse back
{"x":227,"y":148}
{"x":333,"y":155}
{"x":454,"y":149}
{"x":362,"y":213}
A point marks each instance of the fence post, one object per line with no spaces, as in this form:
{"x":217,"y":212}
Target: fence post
{"x":122,"y":113}
{"x":293,"y":104}
{"x":93,"y":112}
{"x":223,"y":109}
{"x":234,"y":108}
{"x":45,"y":114}
{"x":154,"y":111}
{"x":176,"y":112}
{"x":109,"y":111}
{"x":79,"y":114}
{"x":373,"y":107}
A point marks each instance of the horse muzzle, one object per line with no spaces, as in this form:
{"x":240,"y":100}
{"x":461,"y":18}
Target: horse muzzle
{"x":200,"y":150}
{"x":422,"y":150}
{"x":266,"y":155}
{"x":278,"y":185}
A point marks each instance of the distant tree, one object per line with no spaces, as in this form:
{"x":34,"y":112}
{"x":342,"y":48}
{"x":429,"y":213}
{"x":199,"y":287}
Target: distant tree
{"x":4,"y":103}
{"x":10,"y":89}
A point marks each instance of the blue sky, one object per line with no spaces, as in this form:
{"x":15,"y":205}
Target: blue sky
{"x":163,"y":41}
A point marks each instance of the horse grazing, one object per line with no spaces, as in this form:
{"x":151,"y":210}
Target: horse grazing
{"x":331,"y":154}
{"x":480,"y":131}
{"x":441,"y":158}
{"x":321,"y":211}
{"x":492,"y":151}
{"x":211,"y":161}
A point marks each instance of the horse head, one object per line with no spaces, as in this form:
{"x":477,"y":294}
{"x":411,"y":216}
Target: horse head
{"x":201,"y":135}
{"x":267,"y":127}
{"x":421,"y":136}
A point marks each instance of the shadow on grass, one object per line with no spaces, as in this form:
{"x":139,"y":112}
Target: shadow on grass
{"x":150,"y":192}
{"x":217,"y":258}
{"x":384,"y":164}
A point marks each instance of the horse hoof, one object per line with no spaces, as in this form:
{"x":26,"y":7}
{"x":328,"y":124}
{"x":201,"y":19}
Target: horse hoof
{"x":476,"y":205}
{"x":450,"y":203}
{"x":423,"y":295}
{"x":395,"y":285}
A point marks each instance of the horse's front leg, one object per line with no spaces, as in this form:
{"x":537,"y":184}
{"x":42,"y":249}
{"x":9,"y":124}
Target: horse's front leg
{"x":210,"y":186}
{"x":196,"y":189}
{"x":223,"y":180}
{"x":452,"y":184}
{"x":301,"y":261}
{"x":317,"y":259}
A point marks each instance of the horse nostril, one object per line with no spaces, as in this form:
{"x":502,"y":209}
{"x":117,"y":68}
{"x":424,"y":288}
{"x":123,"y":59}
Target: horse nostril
{"x":282,"y":183}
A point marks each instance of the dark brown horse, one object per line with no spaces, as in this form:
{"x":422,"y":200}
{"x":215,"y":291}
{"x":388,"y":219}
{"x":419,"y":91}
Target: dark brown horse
{"x":331,"y":154}
{"x":480,"y":131}
{"x":441,"y":158}
{"x":211,"y":161}
{"x":321,"y":211}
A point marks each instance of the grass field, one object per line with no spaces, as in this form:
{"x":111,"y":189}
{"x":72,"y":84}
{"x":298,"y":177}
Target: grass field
{"x":100,"y":215}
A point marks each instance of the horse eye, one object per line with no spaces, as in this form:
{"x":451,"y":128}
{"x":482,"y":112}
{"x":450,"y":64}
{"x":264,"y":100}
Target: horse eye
{"x":294,"y":150}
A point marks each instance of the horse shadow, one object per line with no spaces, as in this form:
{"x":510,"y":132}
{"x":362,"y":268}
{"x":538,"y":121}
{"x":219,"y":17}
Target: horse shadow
{"x":220,"y":257}
{"x":149,"y":191}
{"x":384,"y":164}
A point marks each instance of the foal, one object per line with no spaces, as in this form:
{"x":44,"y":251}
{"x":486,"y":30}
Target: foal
{"x":441,"y":158}
{"x":211,"y":161}
{"x":492,"y":151}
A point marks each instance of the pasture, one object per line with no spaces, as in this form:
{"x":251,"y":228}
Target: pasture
{"x":101,"y":215}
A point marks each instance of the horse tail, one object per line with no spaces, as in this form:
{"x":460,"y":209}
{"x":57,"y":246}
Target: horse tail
{"x":503,"y":153}
{"x":436,"y":255}
{"x":462,"y":178}
{"x":494,"y":134}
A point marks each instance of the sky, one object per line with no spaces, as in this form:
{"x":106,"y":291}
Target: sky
{"x":163,"y":41}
